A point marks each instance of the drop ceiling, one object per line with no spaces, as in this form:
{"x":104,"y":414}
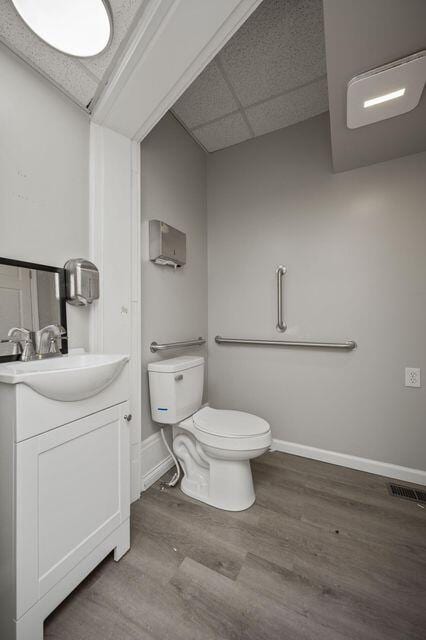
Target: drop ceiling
{"x":81,"y":79}
{"x":271,"y":74}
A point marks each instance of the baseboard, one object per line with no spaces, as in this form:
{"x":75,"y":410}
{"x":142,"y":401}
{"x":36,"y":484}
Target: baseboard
{"x":386,"y":469}
{"x":155,"y":460}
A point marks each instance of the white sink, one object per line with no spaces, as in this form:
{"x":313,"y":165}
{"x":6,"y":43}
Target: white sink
{"x":68,"y":378}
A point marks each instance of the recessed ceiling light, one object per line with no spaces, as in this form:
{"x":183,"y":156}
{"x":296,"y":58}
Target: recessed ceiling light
{"x":393,"y":89}
{"x":388,"y":96}
{"x":81,"y":28}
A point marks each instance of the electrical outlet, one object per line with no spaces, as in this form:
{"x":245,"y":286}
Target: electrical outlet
{"x":412,"y":377}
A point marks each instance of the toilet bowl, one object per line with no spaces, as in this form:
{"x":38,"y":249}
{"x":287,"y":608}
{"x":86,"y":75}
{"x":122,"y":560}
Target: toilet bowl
{"x":218,"y":471}
{"x":214,"y":446}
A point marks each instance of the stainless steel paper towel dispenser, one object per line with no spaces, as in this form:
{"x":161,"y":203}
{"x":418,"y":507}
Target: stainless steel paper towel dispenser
{"x":167,"y":245}
{"x":82,"y":281}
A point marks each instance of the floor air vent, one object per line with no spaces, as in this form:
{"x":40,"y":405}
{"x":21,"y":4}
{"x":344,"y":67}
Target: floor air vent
{"x":408,"y":493}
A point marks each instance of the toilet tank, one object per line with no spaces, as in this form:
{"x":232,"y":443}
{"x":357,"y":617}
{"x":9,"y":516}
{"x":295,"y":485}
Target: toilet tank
{"x":175,"y":388}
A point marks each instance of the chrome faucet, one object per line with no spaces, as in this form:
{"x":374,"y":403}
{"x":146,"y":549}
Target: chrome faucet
{"x":22,"y":337}
{"x":33,"y":345}
{"x":47,"y":341}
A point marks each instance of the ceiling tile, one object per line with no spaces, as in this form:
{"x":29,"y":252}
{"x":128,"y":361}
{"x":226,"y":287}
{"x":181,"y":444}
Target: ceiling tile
{"x":289,"y":108}
{"x":124,"y":13}
{"x":223,"y":133}
{"x":273,"y":70}
{"x":208,"y":98}
{"x":280,"y":47}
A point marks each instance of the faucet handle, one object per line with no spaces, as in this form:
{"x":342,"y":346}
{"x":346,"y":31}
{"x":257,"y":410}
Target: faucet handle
{"x":53,"y":345}
{"x":60,"y":329}
{"x":23,"y":337}
{"x":54,"y":329}
{"x":18,"y":334}
{"x":55,"y":333}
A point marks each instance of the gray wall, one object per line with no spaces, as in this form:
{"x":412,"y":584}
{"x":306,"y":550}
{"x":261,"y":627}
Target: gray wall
{"x":174,"y":303}
{"x":354,"y":246}
{"x":44,"y":175}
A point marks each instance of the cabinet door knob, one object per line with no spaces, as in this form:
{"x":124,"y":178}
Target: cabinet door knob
{"x":128,"y":417}
{"x":179,"y":377}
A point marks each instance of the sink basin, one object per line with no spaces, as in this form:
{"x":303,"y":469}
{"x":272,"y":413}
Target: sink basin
{"x":68,"y":378}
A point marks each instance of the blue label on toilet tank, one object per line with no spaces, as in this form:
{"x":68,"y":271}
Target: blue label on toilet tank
{"x":161,"y":409}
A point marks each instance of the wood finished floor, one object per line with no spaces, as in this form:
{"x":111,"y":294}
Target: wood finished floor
{"x":324,"y":554}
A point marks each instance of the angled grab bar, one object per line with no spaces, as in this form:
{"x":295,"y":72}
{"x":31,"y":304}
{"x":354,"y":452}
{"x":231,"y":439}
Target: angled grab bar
{"x":349,"y":345}
{"x":154,"y":346}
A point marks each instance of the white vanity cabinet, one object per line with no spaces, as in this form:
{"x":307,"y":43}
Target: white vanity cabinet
{"x":64,"y":497}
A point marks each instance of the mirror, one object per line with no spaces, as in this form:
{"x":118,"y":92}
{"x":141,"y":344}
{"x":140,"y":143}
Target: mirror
{"x":32,"y":296}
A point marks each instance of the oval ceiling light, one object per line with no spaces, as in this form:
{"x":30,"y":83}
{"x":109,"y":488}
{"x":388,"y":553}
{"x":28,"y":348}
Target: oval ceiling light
{"x":81,"y":28}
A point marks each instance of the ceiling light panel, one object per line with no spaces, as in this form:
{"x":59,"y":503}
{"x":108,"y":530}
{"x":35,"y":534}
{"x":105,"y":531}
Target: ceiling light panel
{"x":388,"y":96}
{"x":81,"y":28}
{"x":387,"y":91}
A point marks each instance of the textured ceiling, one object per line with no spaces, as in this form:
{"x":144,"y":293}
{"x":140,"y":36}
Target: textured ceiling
{"x":271,"y":74}
{"x":80,"y":78}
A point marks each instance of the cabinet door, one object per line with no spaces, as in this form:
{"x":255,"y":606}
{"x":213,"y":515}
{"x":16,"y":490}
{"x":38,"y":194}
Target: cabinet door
{"x":73,"y":490}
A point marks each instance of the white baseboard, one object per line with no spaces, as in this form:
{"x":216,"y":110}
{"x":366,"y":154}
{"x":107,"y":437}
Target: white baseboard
{"x":155,"y":460}
{"x":386,"y":469}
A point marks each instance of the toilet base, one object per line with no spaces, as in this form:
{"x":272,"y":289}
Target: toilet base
{"x":240,"y":498}
{"x":225,"y":483}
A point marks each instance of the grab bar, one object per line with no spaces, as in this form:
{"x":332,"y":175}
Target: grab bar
{"x":280,"y":272}
{"x":348,"y":345}
{"x":154,"y":346}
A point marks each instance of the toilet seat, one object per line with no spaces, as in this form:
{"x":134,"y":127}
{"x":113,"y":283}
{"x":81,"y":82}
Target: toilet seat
{"x":232,"y":430}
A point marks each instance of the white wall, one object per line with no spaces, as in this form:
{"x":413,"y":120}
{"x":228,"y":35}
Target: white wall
{"x":44,"y":176}
{"x":115,"y":241}
{"x":174,"y":303}
{"x":354,"y":246}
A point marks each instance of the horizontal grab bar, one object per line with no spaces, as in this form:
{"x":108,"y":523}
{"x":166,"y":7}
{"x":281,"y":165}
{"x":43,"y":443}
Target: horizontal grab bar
{"x":154,"y":346}
{"x":348,"y":345}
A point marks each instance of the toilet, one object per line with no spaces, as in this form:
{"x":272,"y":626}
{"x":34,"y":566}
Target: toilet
{"x":214,"y":446}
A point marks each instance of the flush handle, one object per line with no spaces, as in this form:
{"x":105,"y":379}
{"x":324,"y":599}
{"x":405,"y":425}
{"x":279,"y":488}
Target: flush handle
{"x":179,"y":377}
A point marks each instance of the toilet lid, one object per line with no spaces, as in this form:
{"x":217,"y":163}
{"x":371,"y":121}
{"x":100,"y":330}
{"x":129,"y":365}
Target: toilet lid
{"x":229,"y":424}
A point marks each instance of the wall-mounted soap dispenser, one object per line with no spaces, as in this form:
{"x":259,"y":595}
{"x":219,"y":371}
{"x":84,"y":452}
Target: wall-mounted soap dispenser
{"x":82,"y":281}
{"x":167,"y":245}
